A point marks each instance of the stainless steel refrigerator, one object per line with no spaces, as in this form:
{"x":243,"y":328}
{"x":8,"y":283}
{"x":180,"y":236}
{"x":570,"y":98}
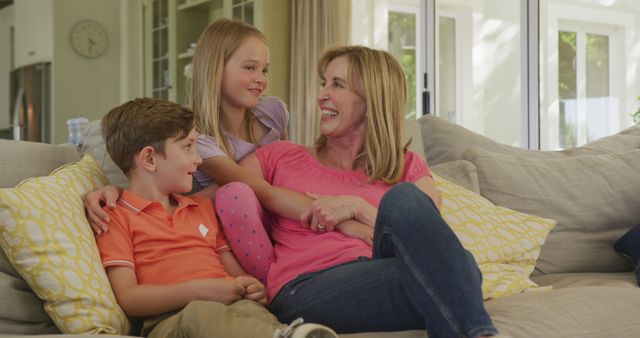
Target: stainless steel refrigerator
{"x":30,"y":105}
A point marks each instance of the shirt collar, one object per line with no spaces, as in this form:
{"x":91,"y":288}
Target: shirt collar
{"x":136,"y":203}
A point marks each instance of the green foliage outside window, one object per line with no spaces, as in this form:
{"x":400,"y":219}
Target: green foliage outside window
{"x":403,"y":47}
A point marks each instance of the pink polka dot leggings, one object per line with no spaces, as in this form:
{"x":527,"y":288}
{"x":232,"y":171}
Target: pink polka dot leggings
{"x":246,"y":227}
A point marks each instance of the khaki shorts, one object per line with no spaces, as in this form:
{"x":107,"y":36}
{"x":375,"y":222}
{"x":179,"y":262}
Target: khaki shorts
{"x":205,"y":319}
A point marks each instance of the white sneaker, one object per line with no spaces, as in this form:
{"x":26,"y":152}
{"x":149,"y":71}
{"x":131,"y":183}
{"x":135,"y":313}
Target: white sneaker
{"x":297,"y":329}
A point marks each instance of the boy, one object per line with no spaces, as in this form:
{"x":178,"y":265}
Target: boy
{"x":165,"y":255}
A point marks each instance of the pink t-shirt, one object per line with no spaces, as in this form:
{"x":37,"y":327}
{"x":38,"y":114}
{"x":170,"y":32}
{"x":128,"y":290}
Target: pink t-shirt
{"x":299,"y":250}
{"x":271,"y":112}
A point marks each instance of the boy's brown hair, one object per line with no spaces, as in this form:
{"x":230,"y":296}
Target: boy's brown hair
{"x":142,"y":122}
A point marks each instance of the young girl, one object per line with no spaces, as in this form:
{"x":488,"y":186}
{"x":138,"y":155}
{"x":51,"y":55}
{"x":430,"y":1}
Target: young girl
{"x":230,"y":68}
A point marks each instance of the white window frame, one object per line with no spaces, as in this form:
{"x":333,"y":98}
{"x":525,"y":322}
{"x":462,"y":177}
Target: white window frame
{"x":403,"y":8}
{"x":460,"y":91}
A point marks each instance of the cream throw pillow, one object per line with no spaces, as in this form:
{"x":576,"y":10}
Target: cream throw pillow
{"x":46,"y":237}
{"x":504,"y":242}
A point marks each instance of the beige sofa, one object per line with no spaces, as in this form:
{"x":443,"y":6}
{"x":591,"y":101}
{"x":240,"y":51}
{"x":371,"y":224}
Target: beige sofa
{"x":592,"y":192}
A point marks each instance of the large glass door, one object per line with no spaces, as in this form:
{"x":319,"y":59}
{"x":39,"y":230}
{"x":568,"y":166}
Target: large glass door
{"x":547,"y":74}
{"x":478,"y":67}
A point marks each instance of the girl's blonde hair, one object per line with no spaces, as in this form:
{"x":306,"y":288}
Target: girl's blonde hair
{"x":385,"y":90}
{"x":214,"y":48}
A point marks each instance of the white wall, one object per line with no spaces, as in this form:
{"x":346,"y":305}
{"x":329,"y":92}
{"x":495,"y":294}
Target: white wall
{"x":81,"y":86}
{"x":6,"y":21}
{"x":131,"y":50}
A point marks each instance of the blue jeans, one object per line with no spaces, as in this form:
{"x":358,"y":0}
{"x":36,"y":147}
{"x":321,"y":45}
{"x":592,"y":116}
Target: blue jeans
{"x":420,"y":277}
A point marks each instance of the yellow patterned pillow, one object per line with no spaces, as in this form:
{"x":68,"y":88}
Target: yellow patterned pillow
{"x":505,"y":243}
{"x":46,"y":237}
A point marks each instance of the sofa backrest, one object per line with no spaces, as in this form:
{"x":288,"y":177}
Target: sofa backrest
{"x":21,"y":160}
{"x":590,"y":190}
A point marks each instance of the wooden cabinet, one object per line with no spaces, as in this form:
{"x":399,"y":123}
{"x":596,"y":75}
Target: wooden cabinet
{"x":33,"y":32}
{"x":172,"y":29}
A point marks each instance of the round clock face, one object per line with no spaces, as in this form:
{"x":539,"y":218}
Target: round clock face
{"x":89,"y":39}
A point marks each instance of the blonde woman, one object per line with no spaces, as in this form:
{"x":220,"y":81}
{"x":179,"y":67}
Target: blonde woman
{"x":418,"y":275}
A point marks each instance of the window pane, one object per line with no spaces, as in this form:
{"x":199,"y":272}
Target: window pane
{"x":402,"y":45}
{"x":589,"y":56}
{"x":567,"y":88}
{"x":597,"y":91}
{"x":248,"y":13}
{"x":237,"y":12}
{"x":479,"y":86}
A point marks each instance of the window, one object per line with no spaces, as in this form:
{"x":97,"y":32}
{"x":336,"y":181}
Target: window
{"x":161,"y":82}
{"x":588,"y":87}
{"x":394,"y":26}
{"x":243,"y":10}
{"x":583,"y":76}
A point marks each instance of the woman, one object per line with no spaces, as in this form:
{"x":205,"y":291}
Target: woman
{"x":418,"y":275}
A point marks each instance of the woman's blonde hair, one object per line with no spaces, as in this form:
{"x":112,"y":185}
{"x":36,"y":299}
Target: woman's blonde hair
{"x":385,"y":91}
{"x":215,"y":46}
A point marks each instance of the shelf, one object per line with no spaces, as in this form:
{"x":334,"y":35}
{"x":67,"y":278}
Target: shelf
{"x":195,"y":5}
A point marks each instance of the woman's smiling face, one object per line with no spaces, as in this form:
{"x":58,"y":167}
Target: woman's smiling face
{"x":344,"y":110}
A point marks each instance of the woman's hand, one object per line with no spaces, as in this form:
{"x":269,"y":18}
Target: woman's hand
{"x":253,"y":289}
{"x":93,"y":204}
{"x":328,"y":211}
{"x":355,"y":229}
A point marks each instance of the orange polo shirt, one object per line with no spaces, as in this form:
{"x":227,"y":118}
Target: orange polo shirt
{"x":164,"y":248}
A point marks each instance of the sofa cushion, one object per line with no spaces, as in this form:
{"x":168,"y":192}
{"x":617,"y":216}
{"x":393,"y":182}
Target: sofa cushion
{"x":594,"y":198}
{"x":461,"y":172}
{"x":592,"y":311}
{"x":445,"y":141}
{"x":21,"y":311}
{"x":47,"y":238}
{"x":581,"y":279}
{"x":412,"y":132}
{"x":505,"y":243}
{"x":585,"y":311}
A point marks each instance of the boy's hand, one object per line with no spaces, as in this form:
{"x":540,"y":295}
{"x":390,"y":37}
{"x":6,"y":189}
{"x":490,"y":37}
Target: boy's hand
{"x":93,"y":203}
{"x":216,"y":289}
{"x":355,"y":229}
{"x":254,"y":290}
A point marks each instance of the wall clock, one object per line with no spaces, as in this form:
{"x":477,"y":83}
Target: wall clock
{"x":89,"y":39}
